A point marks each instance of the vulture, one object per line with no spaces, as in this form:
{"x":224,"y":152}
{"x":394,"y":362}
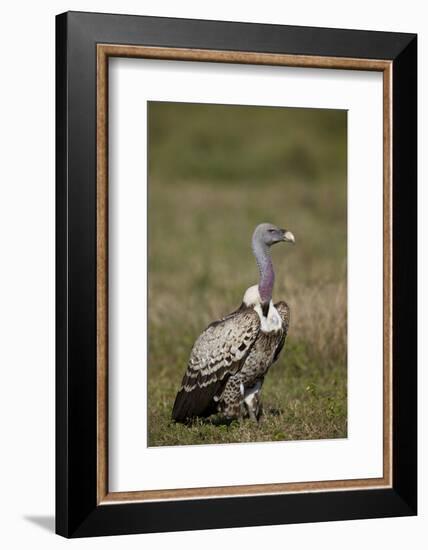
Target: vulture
{"x":231,"y":357}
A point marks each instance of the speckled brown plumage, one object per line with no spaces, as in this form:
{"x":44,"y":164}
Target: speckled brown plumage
{"x":227,"y":359}
{"x":219,"y":352}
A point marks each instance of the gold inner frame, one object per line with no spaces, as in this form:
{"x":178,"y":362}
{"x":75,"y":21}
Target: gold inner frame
{"x":104,"y":51}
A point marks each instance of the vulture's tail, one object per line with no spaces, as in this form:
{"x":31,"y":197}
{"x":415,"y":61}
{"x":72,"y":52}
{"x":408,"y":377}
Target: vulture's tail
{"x":197,"y":402}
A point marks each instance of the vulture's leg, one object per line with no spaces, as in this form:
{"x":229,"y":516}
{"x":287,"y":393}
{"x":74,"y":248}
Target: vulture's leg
{"x":252,"y":400}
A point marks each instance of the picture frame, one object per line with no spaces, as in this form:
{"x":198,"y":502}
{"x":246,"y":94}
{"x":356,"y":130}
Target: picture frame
{"x":84,"y":44}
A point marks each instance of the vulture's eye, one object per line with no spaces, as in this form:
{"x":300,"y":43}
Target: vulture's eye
{"x":271,"y":230}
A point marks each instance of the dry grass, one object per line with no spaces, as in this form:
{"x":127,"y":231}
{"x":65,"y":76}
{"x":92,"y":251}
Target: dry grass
{"x":200,"y":264}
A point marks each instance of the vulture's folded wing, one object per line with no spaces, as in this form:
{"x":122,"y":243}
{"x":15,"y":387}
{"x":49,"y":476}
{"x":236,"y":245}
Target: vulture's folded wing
{"x":219,"y":351}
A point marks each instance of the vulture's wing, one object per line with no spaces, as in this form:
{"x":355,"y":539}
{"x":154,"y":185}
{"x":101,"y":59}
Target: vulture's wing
{"x":284,"y":312}
{"x":219,"y":351}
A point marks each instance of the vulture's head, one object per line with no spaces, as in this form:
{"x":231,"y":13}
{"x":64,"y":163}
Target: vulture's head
{"x":269,"y":234}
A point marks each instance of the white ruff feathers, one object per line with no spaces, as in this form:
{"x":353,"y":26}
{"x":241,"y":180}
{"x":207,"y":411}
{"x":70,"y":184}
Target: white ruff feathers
{"x":271,"y":323}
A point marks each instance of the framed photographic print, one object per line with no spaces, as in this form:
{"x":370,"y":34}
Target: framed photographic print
{"x":236,"y":274}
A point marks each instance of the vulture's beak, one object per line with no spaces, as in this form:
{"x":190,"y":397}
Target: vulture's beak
{"x":288,"y":236}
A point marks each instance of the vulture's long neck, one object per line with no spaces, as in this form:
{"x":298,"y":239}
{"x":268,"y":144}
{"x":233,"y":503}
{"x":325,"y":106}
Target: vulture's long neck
{"x":267,"y":275}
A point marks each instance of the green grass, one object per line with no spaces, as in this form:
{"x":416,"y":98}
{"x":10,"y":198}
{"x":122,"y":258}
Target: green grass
{"x":215,"y":173}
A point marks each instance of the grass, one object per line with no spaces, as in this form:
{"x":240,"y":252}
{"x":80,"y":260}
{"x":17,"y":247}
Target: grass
{"x":215,"y":173}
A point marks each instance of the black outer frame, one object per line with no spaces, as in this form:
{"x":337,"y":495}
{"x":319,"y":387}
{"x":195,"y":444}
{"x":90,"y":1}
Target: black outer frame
{"x":77,"y":513}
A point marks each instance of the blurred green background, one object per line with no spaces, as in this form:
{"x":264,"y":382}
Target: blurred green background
{"x":215,"y":172}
